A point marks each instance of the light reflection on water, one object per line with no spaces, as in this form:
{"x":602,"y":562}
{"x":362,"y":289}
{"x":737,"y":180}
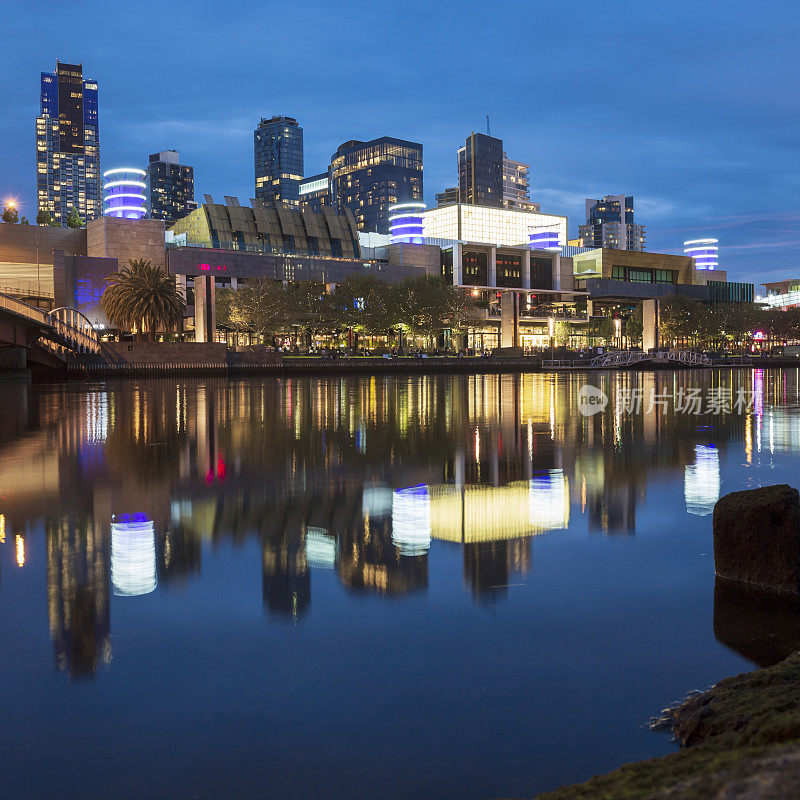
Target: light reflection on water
{"x":550,"y":574}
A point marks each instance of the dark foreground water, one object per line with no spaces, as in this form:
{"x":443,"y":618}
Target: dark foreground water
{"x":368,"y":587}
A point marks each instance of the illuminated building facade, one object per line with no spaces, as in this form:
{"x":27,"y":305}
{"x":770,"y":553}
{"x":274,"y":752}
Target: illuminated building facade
{"x":516,"y":185}
{"x":405,"y":223}
{"x":705,"y":252}
{"x":169,"y":187}
{"x":369,"y":177}
{"x":278,"y":146}
{"x":610,"y":224}
{"x":123,"y":193}
{"x":68,"y":145}
{"x":781,"y":294}
{"x":315,"y":192}
{"x":467,"y":222}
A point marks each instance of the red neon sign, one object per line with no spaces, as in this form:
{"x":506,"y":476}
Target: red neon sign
{"x":210,"y":268}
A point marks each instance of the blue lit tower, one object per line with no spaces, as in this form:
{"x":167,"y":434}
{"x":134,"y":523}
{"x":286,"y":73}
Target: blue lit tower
{"x":68,"y":145}
{"x":278,"y":149}
{"x":544,"y":239}
{"x":703,"y":251}
{"x":405,"y":223}
{"x":123,"y":193}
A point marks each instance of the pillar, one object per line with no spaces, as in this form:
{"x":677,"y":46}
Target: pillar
{"x":650,"y":312}
{"x":509,"y":319}
{"x":491,"y":277}
{"x":526,"y":270}
{"x":205,"y":316}
{"x":458,"y":251}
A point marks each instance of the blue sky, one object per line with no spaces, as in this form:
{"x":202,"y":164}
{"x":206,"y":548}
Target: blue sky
{"x":693,"y":107}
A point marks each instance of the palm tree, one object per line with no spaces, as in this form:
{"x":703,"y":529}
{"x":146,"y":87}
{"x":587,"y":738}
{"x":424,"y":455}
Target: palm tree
{"x":143,"y":298}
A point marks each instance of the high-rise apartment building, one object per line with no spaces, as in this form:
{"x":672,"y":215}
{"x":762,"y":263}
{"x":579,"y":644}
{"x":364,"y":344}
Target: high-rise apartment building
{"x":610,"y":224}
{"x":169,"y":187}
{"x":68,"y":145}
{"x":278,"y":146}
{"x":368,"y":177}
{"x":516,"y":185}
{"x":480,"y":170}
{"x":447,"y":196}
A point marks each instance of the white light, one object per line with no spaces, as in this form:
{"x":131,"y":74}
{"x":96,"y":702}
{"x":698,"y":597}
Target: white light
{"x":111,"y":184}
{"x":701,"y":481}
{"x":133,"y":557}
{"x":320,"y":548}
{"x":411,"y":520}
{"x":119,"y":170}
{"x":548,"y":501}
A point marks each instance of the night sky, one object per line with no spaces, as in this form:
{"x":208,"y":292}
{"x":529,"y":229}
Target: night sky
{"x":693,"y":107}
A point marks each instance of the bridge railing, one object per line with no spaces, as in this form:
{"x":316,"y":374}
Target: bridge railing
{"x":23,"y":309}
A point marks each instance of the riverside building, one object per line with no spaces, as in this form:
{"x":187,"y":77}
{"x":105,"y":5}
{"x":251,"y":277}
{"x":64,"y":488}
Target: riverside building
{"x":68,"y":145}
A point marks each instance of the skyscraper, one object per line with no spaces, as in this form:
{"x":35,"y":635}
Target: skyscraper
{"x":68,"y":145}
{"x":516,"y":185}
{"x":368,"y":177}
{"x":609,"y":223}
{"x":169,"y":187}
{"x":480,"y":170}
{"x":278,"y":145}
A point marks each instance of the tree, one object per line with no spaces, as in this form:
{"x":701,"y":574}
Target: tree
{"x":634,"y":326}
{"x":602,"y":328}
{"x":23,"y":220}
{"x":10,"y":212}
{"x":143,"y":298}
{"x":74,"y":219}
{"x":309,"y":306}
{"x":364,"y":304}
{"x":260,"y":307}
{"x":425,"y":304}
{"x":682,"y":318}
{"x":562,"y":330}
{"x":44,"y":217}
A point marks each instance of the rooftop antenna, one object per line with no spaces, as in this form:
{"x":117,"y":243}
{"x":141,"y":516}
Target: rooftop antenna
{"x":488,"y":129}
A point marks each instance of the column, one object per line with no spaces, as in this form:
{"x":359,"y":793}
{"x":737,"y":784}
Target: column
{"x":458,"y":251}
{"x":526,"y":270}
{"x":492,"y":271}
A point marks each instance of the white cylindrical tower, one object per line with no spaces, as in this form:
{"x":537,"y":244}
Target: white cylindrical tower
{"x":405,"y":223}
{"x":703,"y":251}
{"x":123,"y":193}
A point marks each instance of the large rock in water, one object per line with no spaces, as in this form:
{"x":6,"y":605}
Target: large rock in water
{"x":757,"y":537}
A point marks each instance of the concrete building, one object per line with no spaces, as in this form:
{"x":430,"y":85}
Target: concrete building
{"x":610,"y":224}
{"x":516,"y":185}
{"x":68,"y":145}
{"x":447,"y":196}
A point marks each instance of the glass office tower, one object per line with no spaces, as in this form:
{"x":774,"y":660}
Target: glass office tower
{"x":480,"y":170}
{"x":278,"y":146}
{"x":169,"y":187}
{"x":68,"y":145}
{"x":368,"y":177}
{"x":610,"y":223}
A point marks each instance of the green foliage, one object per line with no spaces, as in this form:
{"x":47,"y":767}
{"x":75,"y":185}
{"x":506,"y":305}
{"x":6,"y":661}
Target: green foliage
{"x":562,"y":330}
{"x":23,"y":220}
{"x":143,"y":297}
{"x":10,"y":213}
{"x":634,"y":326}
{"x":74,"y":219}
{"x":44,"y":217}
{"x":602,"y":328}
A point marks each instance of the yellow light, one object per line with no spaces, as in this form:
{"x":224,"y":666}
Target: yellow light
{"x":2,"y":528}
{"x":11,"y":203}
{"x":20,"y":551}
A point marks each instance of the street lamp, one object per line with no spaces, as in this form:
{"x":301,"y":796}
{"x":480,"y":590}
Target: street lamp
{"x":618,"y":331}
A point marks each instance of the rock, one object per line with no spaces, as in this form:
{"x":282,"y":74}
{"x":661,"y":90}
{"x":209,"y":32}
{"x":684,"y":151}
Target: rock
{"x":757,"y":537}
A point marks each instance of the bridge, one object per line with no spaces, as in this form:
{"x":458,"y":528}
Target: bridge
{"x":627,"y":358}
{"x":46,"y":338}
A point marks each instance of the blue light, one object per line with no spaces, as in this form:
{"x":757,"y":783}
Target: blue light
{"x":406,"y":223}
{"x":122,"y":193}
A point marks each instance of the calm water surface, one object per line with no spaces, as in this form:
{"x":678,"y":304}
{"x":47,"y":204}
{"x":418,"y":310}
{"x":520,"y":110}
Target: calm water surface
{"x":403,"y":587}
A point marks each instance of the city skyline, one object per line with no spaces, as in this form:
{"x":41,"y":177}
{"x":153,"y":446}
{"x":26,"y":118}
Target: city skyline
{"x":693,"y":174}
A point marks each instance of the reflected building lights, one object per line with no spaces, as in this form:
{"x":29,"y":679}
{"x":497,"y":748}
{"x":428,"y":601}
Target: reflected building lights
{"x":20,"y":546}
{"x":702,"y":481}
{"x":133,"y":556}
{"x":321,"y":549}
{"x":411,"y":520}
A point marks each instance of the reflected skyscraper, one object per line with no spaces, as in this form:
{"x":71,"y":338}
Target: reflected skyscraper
{"x":78,"y":595}
{"x":286,"y":581}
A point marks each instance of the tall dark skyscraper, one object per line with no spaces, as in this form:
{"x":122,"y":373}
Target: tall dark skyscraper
{"x":68,"y":145}
{"x":480,"y":170}
{"x":368,"y":177}
{"x":169,"y":187}
{"x":278,"y":146}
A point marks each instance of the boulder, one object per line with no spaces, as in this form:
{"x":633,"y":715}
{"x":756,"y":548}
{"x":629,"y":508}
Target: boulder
{"x":757,"y":538}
